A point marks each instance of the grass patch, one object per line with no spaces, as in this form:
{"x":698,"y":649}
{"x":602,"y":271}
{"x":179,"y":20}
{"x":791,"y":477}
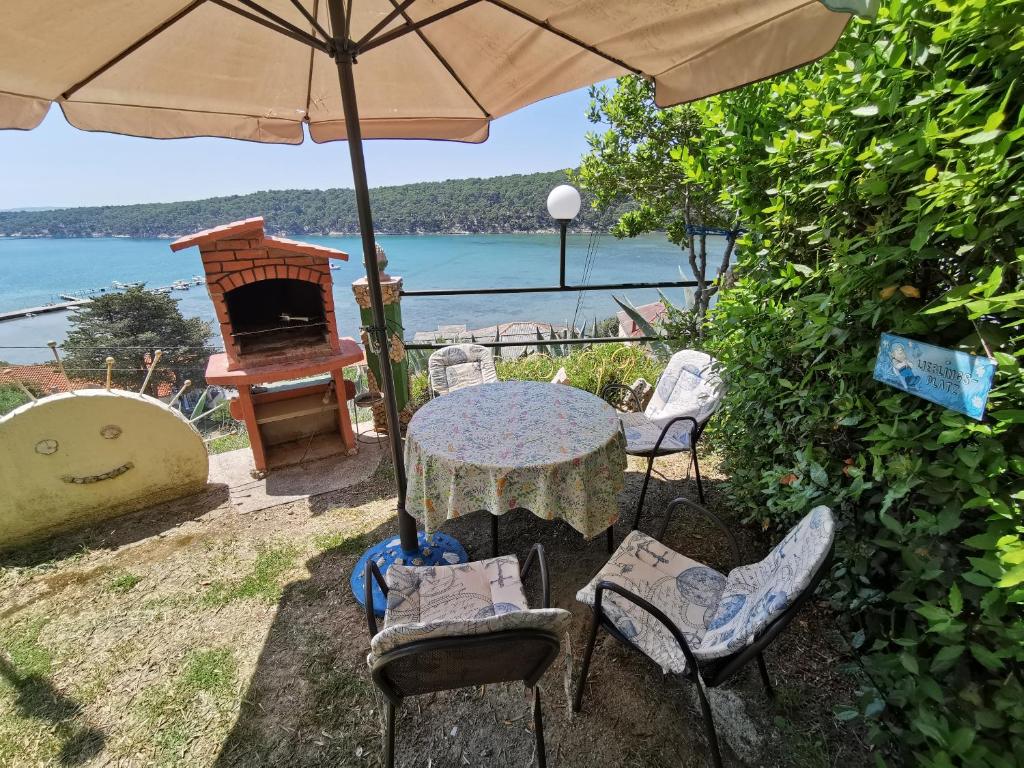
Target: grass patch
{"x":227,"y":443}
{"x":212,"y":670}
{"x":27,"y":656}
{"x":806,"y":747}
{"x":172,"y":709}
{"x":262,"y":583}
{"x":123,"y":583}
{"x":39,"y":723}
{"x":342,"y":542}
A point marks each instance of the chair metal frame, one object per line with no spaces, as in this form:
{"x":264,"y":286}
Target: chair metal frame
{"x":695,"y":432}
{"x":713,"y":672}
{"x":495,"y":657}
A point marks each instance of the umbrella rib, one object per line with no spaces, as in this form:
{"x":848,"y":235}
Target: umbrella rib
{"x":444,"y":62}
{"x":312,"y":42}
{"x":311,"y":17}
{"x":132,"y":48}
{"x":399,"y":10}
{"x":312,"y":54}
{"x":283,"y":25}
{"x":565,"y":36}
{"x":394,"y":34}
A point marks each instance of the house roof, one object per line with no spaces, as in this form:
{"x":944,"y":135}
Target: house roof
{"x":253,"y":229}
{"x":514,"y":331}
{"x":649,"y":312}
{"x":46,"y":377}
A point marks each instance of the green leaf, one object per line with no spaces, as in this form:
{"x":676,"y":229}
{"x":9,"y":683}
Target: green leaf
{"x":961,"y":740}
{"x":846,"y":714}
{"x":868,"y":110}
{"x":818,"y":474}
{"x":909,"y":662}
{"x":1011,"y":416}
{"x":946,"y":657}
{"x":981,"y":137}
{"x":1012,"y":577}
{"x":200,"y":404}
{"x":956,"y":601}
{"x":986,"y":657}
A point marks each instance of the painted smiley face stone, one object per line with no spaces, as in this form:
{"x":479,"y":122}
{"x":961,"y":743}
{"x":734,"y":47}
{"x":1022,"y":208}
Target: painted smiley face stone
{"x":79,"y":457}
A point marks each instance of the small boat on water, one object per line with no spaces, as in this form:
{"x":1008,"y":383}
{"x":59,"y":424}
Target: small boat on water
{"x":181,"y":285}
{"x":197,"y":280}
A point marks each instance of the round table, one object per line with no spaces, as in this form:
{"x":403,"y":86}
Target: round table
{"x":550,"y":448}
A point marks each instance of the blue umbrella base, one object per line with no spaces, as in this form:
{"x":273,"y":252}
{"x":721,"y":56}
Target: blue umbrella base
{"x":434,"y":549}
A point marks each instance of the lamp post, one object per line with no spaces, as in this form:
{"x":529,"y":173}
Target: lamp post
{"x":563,"y":205}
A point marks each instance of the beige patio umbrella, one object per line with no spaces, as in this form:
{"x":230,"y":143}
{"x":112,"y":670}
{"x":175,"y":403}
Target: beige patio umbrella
{"x":425,"y":69}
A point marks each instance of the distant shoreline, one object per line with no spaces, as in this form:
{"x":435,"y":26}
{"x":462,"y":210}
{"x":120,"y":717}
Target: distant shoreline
{"x":454,"y":233}
{"x":499,"y":205}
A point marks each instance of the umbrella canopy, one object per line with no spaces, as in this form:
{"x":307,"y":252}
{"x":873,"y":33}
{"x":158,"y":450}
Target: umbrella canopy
{"x":427,"y":69}
{"x":348,"y":69}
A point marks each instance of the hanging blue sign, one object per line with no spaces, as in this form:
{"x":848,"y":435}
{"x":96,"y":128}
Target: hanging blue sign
{"x":954,"y":380}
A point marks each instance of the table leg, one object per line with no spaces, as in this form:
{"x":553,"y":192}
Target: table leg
{"x":494,"y":535}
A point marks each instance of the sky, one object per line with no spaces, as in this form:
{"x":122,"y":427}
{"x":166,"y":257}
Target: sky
{"x":58,"y":166}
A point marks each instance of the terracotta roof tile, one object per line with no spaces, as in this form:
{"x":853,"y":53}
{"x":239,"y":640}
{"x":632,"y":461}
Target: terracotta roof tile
{"x":45,"y":377}
{"x":649,"y":312}
{"x":222,"y":232}
{"x":304,"y":248}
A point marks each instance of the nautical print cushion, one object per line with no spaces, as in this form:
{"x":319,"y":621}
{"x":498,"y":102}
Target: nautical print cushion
{"x":691,"y":385}
{"x":460,"y":365}
{"x":755,"y":594}
{"x":686,"y":591}
{"x":451,"y":600}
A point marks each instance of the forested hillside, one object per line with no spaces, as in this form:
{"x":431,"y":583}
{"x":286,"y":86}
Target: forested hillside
{"x":498,"y":204}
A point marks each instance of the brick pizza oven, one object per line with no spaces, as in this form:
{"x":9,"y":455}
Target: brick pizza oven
{"x":275,"y":306}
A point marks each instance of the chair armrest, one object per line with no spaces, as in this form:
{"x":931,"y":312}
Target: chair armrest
{"x":613,"y":387}
{"x":372,"y":569}
{"x":694,"y":433}
{"x":537,"y":553}
{"x":684,"y":502}
{"x":656,"y":613}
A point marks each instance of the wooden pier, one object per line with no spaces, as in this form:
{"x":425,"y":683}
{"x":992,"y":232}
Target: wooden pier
{"x":59,"y":307}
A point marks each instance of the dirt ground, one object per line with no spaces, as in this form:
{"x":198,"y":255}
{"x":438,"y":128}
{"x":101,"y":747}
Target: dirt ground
{"x":193,"y":635}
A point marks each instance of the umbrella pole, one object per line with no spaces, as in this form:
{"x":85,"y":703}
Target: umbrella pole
{"x":412,"y":547}
{"x":378,"y":335}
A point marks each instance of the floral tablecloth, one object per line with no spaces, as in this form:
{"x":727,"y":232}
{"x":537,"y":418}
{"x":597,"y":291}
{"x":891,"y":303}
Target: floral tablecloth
{"x":550,"y":448}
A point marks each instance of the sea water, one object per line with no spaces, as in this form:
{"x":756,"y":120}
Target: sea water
{"x":36,"y":271}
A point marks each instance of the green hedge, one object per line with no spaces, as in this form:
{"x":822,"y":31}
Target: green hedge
{"x":881,"y":188}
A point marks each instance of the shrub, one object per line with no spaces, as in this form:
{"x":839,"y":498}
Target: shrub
{"x":591,"y":369}
{"x":881,"y":191}
{"x":11,"y":397}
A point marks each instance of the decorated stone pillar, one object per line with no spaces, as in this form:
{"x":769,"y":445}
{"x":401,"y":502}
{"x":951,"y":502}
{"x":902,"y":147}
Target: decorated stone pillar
{"x":391,"y":288}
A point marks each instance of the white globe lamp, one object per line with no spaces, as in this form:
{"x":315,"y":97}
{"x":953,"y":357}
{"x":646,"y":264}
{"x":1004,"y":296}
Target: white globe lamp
{"x":563,"y":205}
{"x":564,"y":202}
